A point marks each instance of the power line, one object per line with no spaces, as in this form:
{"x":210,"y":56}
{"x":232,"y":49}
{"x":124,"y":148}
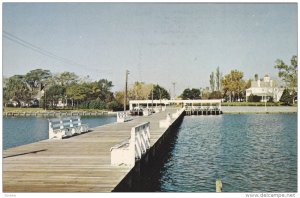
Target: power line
{"x":35,"y":48}
{"x":47,"y":53}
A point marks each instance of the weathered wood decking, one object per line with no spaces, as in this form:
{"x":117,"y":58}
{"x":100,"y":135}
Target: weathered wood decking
{"x":77,"y":164}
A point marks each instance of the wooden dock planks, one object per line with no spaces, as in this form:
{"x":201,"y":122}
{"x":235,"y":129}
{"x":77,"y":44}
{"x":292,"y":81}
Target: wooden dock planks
{"x":76,"y":164}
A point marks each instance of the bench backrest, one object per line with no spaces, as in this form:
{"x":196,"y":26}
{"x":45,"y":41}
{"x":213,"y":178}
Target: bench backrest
{"x":62,"y":123}
{"x":139,"y":140}
{"x":122,"y":114}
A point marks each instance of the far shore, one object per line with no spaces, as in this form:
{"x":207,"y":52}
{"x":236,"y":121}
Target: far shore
{"x":225,"y":110}
{"x":258,"y":109}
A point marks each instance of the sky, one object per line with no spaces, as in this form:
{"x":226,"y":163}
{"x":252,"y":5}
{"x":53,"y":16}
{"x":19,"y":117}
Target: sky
{"x":158,"y":43}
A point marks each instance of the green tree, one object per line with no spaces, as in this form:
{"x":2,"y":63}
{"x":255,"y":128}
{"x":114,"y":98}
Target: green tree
{"x":234,"y":85}
{"x":119,"y":96}
{"x":205,"y":93}
{"x":218,"y":79}
{"x":105,"y":87}
{"x":55,"y":93}
{"x":286,"y":97}
{"x":190,"y":94}
{"x":115,"y":106}
{"x":97,"y":104}
{"x":289,"y":74}
{"x":140,"y":91}
{"x":67,"y":78}
{"x":77,"y":92}
{"x":16,"y":88}
{"x":215,"y":95}
{"x":37,"y":77}
{"x":159,"y":93}
{"x":99,"y":90}
{"x":212,"y":81}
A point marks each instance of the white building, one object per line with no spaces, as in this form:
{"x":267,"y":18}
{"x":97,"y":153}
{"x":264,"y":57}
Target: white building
{"x":265,"y":88}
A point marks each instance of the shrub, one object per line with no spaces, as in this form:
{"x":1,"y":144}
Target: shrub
{"x":97,"y":104}
{"x":286,"y":97}
{"x":115,"y":106}
{"x":254,"y":98}
{"x":9,"y":105}
{"x":215,"y":95}
{"x":85,"y":105}
{"x":271,"y":99}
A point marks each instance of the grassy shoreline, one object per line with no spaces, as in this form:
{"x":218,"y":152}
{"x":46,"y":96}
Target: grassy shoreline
{"x":256,"y":104}
{"x":233,"y":109}
{"x":259,"y":112}
{"x":40,"y":110}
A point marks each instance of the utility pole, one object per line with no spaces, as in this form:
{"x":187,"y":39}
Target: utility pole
{"x":45,"y":100}
{"x":174,"y":89}
{"x":160,"y":99}
{"x":125,"y":96}
{"x":45,"y":97}
{"x":152,"y":98}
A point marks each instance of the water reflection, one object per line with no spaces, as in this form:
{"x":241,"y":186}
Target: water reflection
{"x":24,"y":130}
{"x":250,"y":153}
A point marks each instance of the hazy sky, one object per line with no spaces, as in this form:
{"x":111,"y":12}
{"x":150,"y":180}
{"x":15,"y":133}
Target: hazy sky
{"x":157,"y":42}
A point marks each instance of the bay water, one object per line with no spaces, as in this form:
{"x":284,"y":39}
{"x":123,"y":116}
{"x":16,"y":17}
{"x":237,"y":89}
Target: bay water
{"x":248,"y":152}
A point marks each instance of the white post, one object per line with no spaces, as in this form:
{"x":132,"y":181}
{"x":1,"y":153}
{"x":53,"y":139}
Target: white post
{"x":79,"y":121}
{"x":50,"y":130}
{"x":50,"y":126}
{"x":130,"y":106}
{"x":132,"y":148}
{"x":266,"y":102}
{"x":71,"y":122}
{"x":61,"y":124}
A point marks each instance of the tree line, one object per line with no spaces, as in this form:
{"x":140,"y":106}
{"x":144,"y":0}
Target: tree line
{"x":42,"y":88}
{"x":232,"y":87}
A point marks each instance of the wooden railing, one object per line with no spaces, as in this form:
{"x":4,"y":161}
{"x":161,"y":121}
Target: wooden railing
{"x":188,"y":108}
{"x":132,"y":149}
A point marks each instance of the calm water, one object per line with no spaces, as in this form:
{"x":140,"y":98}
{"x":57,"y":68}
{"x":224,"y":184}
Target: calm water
{"x":249,"y":153}
{"x":24,"y":130}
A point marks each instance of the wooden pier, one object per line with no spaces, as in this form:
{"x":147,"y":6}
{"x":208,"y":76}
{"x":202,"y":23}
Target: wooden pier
{"x":81,"y":163}
{"x":203,"y":111}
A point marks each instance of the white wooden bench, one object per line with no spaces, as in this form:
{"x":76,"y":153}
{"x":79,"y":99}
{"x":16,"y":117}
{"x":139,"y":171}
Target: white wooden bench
{"x":132,"y":149}
{"x":166,"y":122}
{"x":123,"y":117}
{"x":147,"y":112}
{"x":156,"y":109}
{"x":66,"y":127}
{"x":177,"y":113}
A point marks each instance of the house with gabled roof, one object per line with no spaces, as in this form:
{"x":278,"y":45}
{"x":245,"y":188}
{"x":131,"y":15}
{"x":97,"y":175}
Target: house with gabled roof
{"x":265,"y":88}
